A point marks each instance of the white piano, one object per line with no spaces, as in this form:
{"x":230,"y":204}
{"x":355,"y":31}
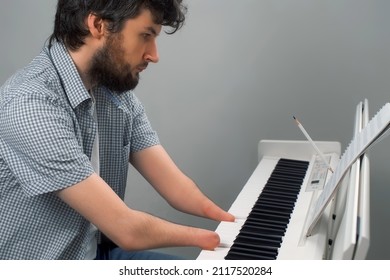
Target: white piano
{"x":272,"y":208}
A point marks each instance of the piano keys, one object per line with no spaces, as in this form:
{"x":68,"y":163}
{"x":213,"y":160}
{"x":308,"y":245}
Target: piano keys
{"x":276,"y":228}
{"x":261,"y":234}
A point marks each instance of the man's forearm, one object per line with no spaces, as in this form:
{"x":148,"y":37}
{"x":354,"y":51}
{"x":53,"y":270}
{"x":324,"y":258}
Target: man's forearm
{"x":171,"y":183}
{"x":128,"y":228}
{"x":146,"y":232}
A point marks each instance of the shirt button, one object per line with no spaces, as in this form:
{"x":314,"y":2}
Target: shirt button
{"x":89,"y":130}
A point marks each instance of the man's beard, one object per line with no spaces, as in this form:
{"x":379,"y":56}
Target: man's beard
{"x":109,"y":70}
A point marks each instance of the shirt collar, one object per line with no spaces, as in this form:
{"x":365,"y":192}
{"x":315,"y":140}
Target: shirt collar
{"x":70,"y":78}
{"x":67,"y":71}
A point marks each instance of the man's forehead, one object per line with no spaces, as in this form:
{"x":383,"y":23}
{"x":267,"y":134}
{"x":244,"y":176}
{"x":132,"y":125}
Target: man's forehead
{"x":155,"y":30}
{"x":145,"y":20}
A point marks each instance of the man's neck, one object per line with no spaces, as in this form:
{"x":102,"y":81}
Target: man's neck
{"x":82,"y":59}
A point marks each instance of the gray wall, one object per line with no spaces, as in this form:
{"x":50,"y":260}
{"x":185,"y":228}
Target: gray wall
{"x":235,"y":74}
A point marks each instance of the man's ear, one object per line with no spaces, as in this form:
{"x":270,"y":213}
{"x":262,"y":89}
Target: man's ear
{"x":96,"y":26}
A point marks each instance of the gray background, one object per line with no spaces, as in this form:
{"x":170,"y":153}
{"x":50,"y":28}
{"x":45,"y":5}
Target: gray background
{"x":235,"y":74}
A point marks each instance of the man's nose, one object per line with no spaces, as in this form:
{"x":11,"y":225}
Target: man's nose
{"x":151,"y":54}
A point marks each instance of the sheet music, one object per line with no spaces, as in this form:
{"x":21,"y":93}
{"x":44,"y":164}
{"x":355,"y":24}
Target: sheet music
{"x":374,"y":131}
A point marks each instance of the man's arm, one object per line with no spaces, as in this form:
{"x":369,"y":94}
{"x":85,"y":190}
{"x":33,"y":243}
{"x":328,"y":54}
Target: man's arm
{"x":181,"y":192}
{"x":130,"y":229}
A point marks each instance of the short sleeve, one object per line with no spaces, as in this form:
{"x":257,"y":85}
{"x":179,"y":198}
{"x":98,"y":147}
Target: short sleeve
{"x":143,"y":135}
{"x":40,"y":144}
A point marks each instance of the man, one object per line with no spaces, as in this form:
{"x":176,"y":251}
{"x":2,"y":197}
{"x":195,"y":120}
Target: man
{"x":70,"y":124}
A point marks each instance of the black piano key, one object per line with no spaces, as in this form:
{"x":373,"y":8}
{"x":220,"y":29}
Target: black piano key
{"x":263,"y":235}
{"x":268,"y":240}
{"x":297,"y":168}
{"x":281,"y":188}
{"x":294,"y":172}
{"x":248,"y":254}
{"x":283,"y":176}
{"x":275,"y":198}
{"x":267,"y":201}
{"x":282,"y":215}
{"x":272,"y":208}
{"x":293,"y":162}
{"x":266,"y":216}
{"x":284,"y":184}
{"x":264,"y":229}
{"x":253,"y":240}
{"x":267,"y":223}
{"x":261,"y":231}
{"x":281,"y":194}
{"x":258,"y":229}
{"x":242,"y":255}
{"x":286,"y":181}
{"x":241,"y":250}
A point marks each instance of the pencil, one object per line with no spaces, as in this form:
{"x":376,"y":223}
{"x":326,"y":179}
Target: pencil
{"x":312,"y":143}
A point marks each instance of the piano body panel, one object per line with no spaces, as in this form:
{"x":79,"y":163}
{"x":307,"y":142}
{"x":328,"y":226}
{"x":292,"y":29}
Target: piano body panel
{"x":294,"y":244}
{"x":301,"y":150}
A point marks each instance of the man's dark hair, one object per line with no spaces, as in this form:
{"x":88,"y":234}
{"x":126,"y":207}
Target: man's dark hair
{"x":70,"y":28}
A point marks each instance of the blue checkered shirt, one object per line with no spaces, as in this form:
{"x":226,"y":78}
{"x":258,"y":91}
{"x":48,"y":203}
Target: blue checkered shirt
{"x":46,"y":137}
